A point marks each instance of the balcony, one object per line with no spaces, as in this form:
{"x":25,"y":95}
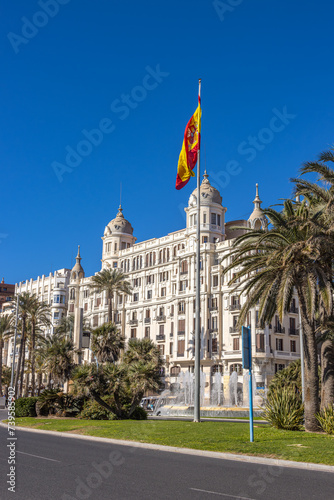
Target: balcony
{"x":286,"y":354}
{"x":160,"y":337}
{"x":133,"y":322}
{"x":294,"y":310}
{"x":293,"y":331}
{"x":213,"y":308}
{"x":181,"y":332}
{"x":147,"y":321}
{"x":183,"y":273}
{"x":260,"y":349}
{"x":234,"y":329}
{"x":161,"y":318}
{"x":234,"y":307}
{"x":279,"y":329}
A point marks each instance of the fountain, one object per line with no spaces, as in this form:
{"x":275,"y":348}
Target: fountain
{"x":233,"y":387}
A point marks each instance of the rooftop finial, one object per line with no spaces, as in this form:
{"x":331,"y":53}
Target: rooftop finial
{"x":206,"y":175}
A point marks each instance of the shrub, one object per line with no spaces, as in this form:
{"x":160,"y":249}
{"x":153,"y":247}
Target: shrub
{"x":326,"y":419}
{"x":25,"y":407}
{"x":284,"y":409}
{"x":94,"y":411}
{"x":289,"y":377}
{"x":139,"y":414}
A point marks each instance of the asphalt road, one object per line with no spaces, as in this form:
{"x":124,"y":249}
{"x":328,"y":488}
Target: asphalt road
{"x":50,"y":467}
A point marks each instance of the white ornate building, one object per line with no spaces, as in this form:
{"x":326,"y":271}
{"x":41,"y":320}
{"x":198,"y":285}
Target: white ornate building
{"x":162,"y":305}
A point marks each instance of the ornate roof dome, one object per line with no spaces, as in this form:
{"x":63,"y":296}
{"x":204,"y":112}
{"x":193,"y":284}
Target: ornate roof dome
{"x":209,"y":194}
{"x":118,"y":225}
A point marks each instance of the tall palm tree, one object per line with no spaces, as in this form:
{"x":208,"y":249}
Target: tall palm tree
{"x":59,"y":358}
{"x":25,"y":301}
{"x":112,"y":281}
{"x":6,"y":326}
{"x":107,"y":342}
{"x":38,"y":315}
{"x":320,"y":195}
{"x":276,"y":262}
{"x":66,"y":326}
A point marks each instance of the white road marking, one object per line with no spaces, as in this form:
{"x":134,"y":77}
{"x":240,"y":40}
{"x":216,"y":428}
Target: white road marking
{"x":221,"y":494}
{"x":37,"y":456}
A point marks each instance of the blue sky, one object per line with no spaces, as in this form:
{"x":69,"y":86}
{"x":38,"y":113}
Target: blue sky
{"x":67,"y":65}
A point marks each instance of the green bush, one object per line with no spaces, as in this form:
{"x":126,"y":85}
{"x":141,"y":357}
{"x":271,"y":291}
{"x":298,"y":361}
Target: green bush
{"x":94,"y":411}
{"x":25,"y":407}
{"x":139,"y":414}
{"x":326,"y":419}
{"x":284,"y":409}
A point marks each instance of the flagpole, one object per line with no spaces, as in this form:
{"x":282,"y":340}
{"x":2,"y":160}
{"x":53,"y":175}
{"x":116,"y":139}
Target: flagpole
{"x":197,"y":395}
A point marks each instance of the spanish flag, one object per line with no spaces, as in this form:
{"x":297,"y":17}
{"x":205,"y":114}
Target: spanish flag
{"x":190,"y":148}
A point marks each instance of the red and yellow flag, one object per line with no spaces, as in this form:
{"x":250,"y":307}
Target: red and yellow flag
{"x":190,"y":148}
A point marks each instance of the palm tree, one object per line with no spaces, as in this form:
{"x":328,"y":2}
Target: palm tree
{"x":25,"y":301}
{"x":38,"y":315}
{"x":276,"y":262}
{"x":320,"y":195}
{"x":111,"y":281}
{"x":107,"y":342}
{"x":5,"y":331}
{"x":59,"y":358}
{"x":66,"y":326}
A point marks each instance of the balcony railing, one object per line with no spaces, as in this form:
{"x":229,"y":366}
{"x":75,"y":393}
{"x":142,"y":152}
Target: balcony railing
{"x":181,"y":332}
{"x":183,"y":272}
{"x":160,"y":337}
{"x":133,"y":322}
{"x":279,"y":329}
{"x":294,"y":310}
{"x":260,"y":349}
{"x":213,"y":308}
{"x":293,"y":331}
{"x":161,"y":318}
{"x":147,"y":320}
{"x":234,"y":307}
{"x":234,"y":329}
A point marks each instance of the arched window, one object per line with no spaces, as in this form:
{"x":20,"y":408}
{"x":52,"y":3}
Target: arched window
{"x":72,"y":294}
{"x":174,"y":371}
{"x":216,"y":369}
{"x":236,"y":367}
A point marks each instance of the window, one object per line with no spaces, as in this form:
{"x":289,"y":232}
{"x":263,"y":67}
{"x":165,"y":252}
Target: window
{"x":236,"y":344}
{"x":171,"y":349}
{"x":115,"y":247}
{"x":292,"y":345}
{"x":279,"y":367}
{"x":204,"y":218}
{"x":183,"y":286}
{"x":161,"y":329}
{"x":214,"y":345}
{"x":279,"y":344}
{"x":86,"y":306}
{"x":134,"y":316}
{"x":163,"y":292}
{"x":182,"y":307}
{"x":114,"y":264}
{"x":174,"y":371}
{"x":218,"y":220}
{"x":214,"y":303}
{"x":56,"y":315}
{"x":236,"y":367}
{"x":214,"y":322}
{"x":204,"y":239}
{"x":181,"y":326}
{"x":161,"y":347}
{"x":215,"y":280}
{"x":71,"y":308}
{"x":260,"y":342}
{"x":86,"y":294}
{"x":98,"y":302}
{"x":161,"y":311}
{"x":147,"y":313}
{"x":184,"y":266}
{"x":135,"y":297}
{"x":149,"y":294}
{"x":147,"y":332}
{"x":95,"y":320}
{"x":72,"y":294}
{"x":172,"y":310}
{"x":180,"y":347}
{"x":133,"y":333}
{"x":213,"y":219}
{"x":150,"y":279}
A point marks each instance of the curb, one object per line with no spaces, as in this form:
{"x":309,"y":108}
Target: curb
{"x":188,"y":451}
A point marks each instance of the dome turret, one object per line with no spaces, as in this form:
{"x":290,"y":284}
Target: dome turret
{"x":209,"y":194}
{"x":257,"y":219}
{"x":77,"y":271}
{"x":118,"y":225}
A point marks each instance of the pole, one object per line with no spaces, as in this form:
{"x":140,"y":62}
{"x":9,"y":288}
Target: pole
{"x":301,"y":355}
{"x":197,"y":395}
{"x":15,"y":335}
{"x":251,"y":420}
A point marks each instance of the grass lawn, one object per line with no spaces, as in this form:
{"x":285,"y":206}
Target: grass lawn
{"x":229,"y":437}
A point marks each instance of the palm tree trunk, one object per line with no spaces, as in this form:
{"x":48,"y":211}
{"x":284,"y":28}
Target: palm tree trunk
{"x":327,"y":374}
{"x":33,"y":341}
{"x":22,"y":365}
{"x":311,"y":397}
{"x":1,"y":347}
{"x":26,"y":392}
{"x":18,"y":366}
{"x":110,"y":308}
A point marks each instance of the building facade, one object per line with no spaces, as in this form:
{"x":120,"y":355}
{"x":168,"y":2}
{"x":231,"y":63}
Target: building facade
{"x":162,"y":304}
